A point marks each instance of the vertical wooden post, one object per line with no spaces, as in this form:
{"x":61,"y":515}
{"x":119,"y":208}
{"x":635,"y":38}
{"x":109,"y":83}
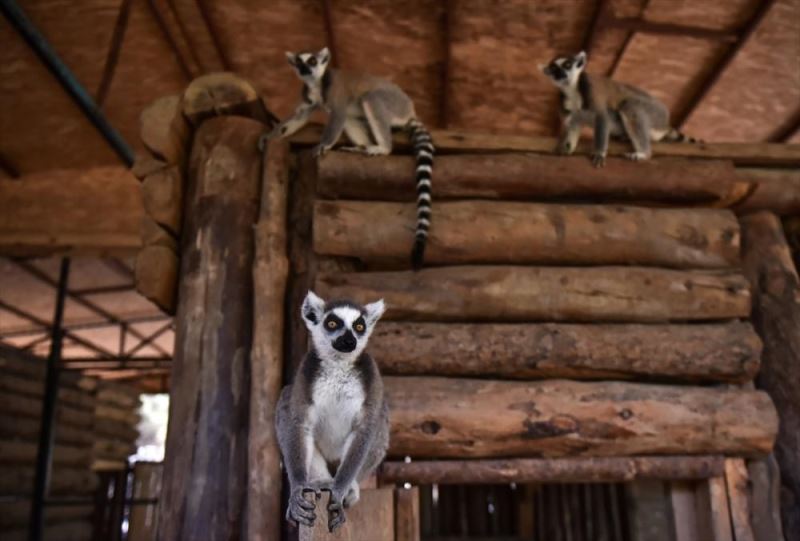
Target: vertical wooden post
{"x":205,"y":470}
{"x":776,"y":316}
{"x":270,"y":272}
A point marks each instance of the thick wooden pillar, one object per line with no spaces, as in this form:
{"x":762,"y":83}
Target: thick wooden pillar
{"x":776,"y":315}
{"x":205,"y":473}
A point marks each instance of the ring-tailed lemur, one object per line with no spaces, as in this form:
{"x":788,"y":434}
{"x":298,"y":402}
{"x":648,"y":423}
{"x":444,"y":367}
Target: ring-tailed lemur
{"x":333,"y":421}
{"x":366,"y":108}
{"x":611,"y":108}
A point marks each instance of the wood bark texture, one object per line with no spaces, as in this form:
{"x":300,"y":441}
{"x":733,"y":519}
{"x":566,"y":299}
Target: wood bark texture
{"x":776,"y":315}
{"x":205,"y":472}
{"x":701,"y":352}
{"x":461,"y":418}
{"x":508,"y":293}
{"x":525,"y":233}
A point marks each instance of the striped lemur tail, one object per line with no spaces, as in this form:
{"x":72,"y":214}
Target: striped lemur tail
{"x":423,"y":149}
{"x":675,"y":136}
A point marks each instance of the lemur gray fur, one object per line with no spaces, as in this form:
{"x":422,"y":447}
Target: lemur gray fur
{"x":333,"y":421}
{"x":366,"y":108}
{"x":611,"y":108}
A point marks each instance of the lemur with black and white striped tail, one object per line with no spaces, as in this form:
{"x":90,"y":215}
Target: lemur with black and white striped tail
{"x":366,"y":108}
{"x":610,"y":107}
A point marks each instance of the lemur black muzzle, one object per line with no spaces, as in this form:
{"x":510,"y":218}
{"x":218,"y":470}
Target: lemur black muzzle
{"x":345,"y":343}
{"x":555,"y":71}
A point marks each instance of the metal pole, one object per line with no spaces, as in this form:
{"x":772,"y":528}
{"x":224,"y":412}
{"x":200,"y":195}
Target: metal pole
{"x":36,"y":41}
{"x":47,"y":432}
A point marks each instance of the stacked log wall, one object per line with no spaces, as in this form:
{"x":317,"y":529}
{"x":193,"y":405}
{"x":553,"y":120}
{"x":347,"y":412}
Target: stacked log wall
{"x":80,"y":429}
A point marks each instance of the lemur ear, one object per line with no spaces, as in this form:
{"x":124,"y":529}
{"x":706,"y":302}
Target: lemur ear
{"x":374,"y":311}
{"x":324,"y":55}
{"x":312,"y":310}
{"x":291,"y":58}
{"x":580,"y":59}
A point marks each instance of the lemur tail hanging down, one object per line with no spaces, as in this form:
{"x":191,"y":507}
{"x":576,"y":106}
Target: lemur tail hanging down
{"x":366,"y":108}
{"x":611,"y":108}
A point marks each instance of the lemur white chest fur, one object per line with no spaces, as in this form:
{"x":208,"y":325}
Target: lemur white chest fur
{"x":338,"y":399}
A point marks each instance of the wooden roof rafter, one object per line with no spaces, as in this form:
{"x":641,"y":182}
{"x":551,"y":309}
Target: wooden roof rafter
{"x":330,"y":32}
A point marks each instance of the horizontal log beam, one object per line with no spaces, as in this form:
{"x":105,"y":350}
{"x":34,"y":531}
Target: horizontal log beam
{"x":552,"y":470}
{"x":466,"y":418}
{"x":451,"y":141}
{"x":726,"y":352}
{"x":78,"y":212}
{"x":776,"y":190}
{"x":500,"y":293}
{"x":527,"y":177}
{"x":505,"y":232}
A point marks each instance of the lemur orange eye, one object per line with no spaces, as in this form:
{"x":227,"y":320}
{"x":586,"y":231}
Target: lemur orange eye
{"x":332,"y":324}
{"x":312,"y":61}
{"x":360,"y":327}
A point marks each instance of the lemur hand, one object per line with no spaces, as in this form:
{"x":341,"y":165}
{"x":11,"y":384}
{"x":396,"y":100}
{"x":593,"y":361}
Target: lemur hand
{"x":335,"y":510}
{"x":300,"y":510}
{"x":320,"y":150}
{"x":598,"y":159}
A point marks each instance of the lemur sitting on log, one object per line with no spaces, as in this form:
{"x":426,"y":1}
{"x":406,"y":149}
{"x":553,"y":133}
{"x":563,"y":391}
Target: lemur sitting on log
{"x":611,"y":108}
{"x":366,"y":108}
{"x":333,"y":421}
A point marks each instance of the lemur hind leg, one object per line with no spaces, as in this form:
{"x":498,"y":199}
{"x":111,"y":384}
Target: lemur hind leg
{"x":637,"y":127}
{"x":358,"y":132}
{"x":380,"y":123}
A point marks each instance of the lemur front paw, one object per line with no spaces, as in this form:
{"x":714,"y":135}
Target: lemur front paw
{"x":299,"y":509}
{"x":320,"y":150}
{"x":598,"y":159}
{"x":565,"y":148}
{"x":335,"y":511}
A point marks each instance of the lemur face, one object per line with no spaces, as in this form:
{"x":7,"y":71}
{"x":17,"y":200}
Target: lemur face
{"x":565,"y":70}
{"x":309,"y":66}
{"x":340,"y":329}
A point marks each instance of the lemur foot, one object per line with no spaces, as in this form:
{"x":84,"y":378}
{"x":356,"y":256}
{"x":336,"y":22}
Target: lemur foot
{"x":598,"y":160}
{"x":375,"y":150}
{"x":565,"y":149}
{"x":335,"y":513}
{"x":636,"y":156}
{"x":300,"y":510}
{"x":352,"y":496}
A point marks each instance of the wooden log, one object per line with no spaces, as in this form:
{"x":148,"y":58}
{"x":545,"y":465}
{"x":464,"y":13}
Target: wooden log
{"x":776,"y":190}
{"x":552,"y":470}
{"x":371,"y":519}
{"x":79,"y":530}
{"x":464,"y":418}
{"x":776,"y":315}
{"x":344,"y":175}
{"x":453,"y":142}
{"x":114,"y":429}
{"x":714,"y":514}
{"x":118,"y":394}
{"x":16,"y":404}
{"x":17,"y":513}
{"x":27,"y":428}
{"x":205,"y":471}
{"x":35,"y":389}
{"x":18,"y":481}
{"x":144,"y":164}
{"x":98,"y":215}
{"x":128,"y":416}
{"x":406,"y":514}
{"x":223,"y":93}
{"x":736,"y":482}
{"x":162,"y":192}
{"x":164,"y":131}
{"x":270,"y":272}
{"x":156,"y":275}
{"x":112,"y":449}
{"x":701,"y":352}
{"x":495,"y":293}
{"x":155,"y":235}
{"x":765,"y":496}
{"x":24,"y":452}
{"x":518,"y":233}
